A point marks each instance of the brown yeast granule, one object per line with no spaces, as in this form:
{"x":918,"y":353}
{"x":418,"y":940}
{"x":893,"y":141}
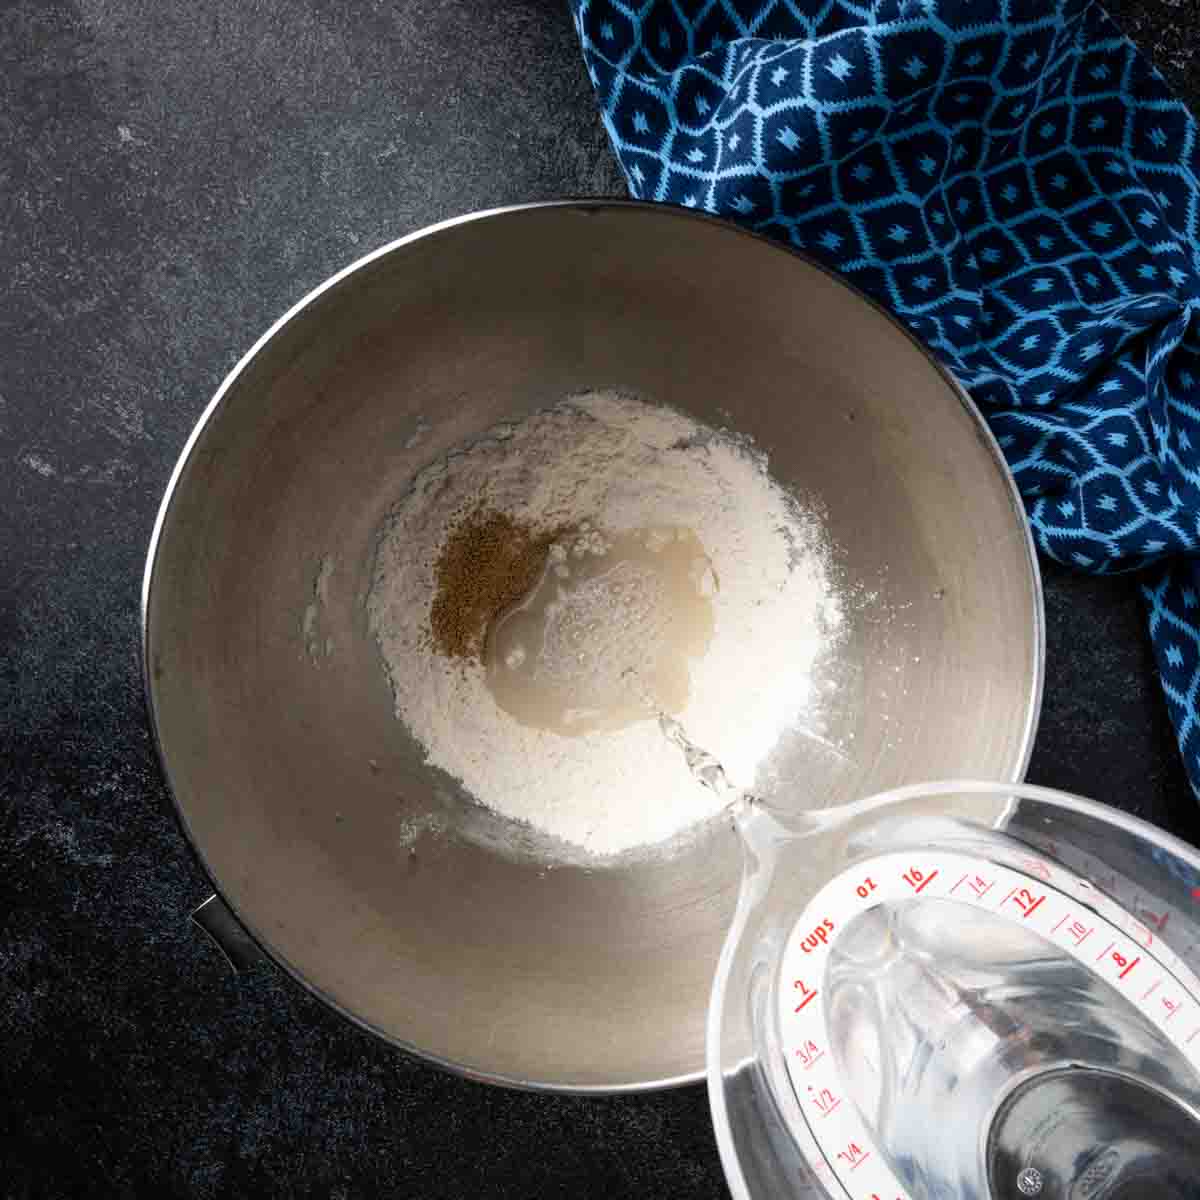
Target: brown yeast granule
{"x":488,"y":562}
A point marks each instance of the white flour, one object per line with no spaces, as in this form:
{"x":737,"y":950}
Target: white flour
{"x":622,"y":465}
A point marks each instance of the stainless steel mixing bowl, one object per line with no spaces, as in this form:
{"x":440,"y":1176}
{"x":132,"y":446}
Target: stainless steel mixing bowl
{"x":365,"y":873}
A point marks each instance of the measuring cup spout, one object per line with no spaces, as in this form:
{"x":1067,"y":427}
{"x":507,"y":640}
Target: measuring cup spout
{"x":763,"y":827}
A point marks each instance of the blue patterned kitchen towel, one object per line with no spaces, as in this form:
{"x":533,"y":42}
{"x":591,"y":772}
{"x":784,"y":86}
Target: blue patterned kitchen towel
{"x":1015,"y":182}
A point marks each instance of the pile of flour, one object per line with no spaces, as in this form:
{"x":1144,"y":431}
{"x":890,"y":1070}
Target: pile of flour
{"x":622,"y":465}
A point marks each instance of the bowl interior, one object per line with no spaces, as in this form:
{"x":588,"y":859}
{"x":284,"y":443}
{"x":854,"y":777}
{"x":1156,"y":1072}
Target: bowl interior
{"x":305,"y":796}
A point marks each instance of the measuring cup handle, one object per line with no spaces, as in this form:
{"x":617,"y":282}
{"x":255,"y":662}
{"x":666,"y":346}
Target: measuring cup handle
{"x":228,"y":934}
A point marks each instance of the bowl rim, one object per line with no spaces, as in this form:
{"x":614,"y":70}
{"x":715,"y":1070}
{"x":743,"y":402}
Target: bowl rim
{"x":213,"y":408}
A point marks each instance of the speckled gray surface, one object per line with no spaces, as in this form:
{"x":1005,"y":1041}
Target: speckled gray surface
{"x":173,"y":177}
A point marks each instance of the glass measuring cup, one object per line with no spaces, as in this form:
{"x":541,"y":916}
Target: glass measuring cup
{"x":959,"y":990}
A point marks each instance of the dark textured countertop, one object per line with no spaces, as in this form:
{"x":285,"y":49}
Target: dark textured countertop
{"x":174,"y":176}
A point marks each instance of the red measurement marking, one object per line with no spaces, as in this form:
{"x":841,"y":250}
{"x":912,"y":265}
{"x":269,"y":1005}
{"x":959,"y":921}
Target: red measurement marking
{"x":1142,"y":934}
{"x":1060,"y":924}
{"x":824,"y":1101}
{"x":1105,"y":950}
{"x":1025,"y":900}
{"x":1035,"y":866}
{"x":1172,"y":1007}
{"x":918,"y":880}
{"x":809,"y":1054}
{"x":957,"y":886}
{"x":1152,"y":989}
{"x":1081,"y":932}
{"x":1125,"y":965}
{"x":805,"y":993}
{"x":854,"y":1156}
{"x":1159,"y":923}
